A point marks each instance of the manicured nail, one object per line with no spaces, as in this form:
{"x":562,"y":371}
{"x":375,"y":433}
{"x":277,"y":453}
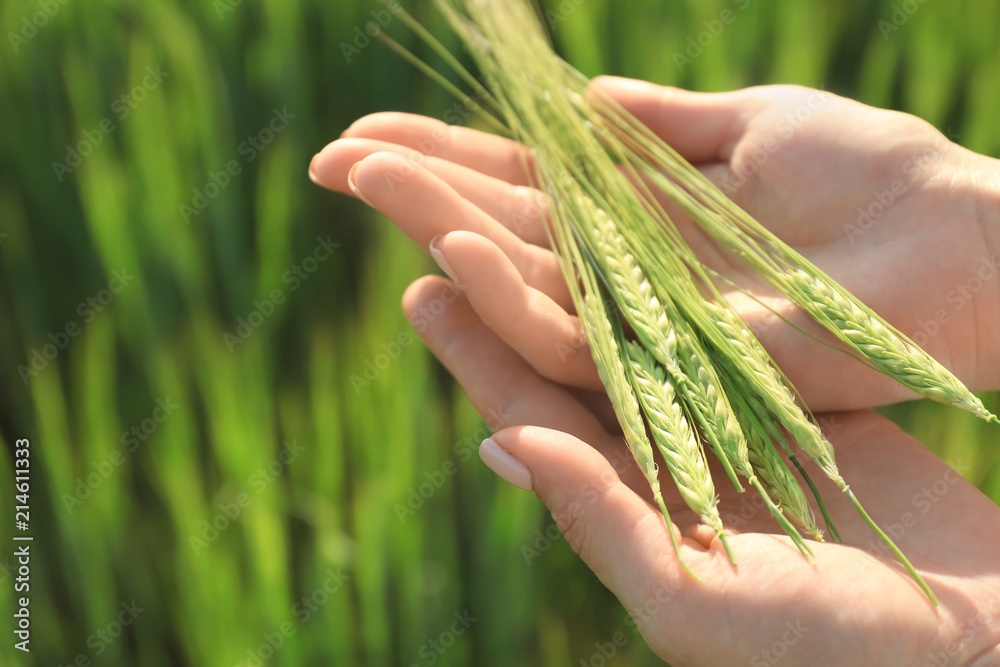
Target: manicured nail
{"x":440,"y":258}
{"x":502,"y":463}
{"x":312,"y":170}
{"x":354,"y":186}
{"x":622,"y":84}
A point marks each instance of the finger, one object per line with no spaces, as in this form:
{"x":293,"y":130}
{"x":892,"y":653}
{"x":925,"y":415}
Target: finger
{"x":615,"y":532}
{"x":486,"y":153}
{"x":702,"y":127}
{"x":625,"y":542}
{"x":520,"y":208}
{"x":424,"y":206}
{"x":495,"y":378}
{"x":546,"y":336}
{"x":499,"y":383}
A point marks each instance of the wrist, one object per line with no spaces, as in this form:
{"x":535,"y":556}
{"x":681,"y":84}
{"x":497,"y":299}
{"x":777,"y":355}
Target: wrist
{"x":984,"y":179}
{"x":989,"y":217}
{"x":973,"y":187}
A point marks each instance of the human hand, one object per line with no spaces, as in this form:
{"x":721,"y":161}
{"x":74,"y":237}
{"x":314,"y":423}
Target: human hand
{"x":512,"y":344}
{"x":851,"y":608}
{"x":804,"y":163}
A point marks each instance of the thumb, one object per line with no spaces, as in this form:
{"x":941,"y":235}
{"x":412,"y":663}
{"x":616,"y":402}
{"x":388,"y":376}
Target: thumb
{"x":702,"y":127}
{"x":616,"y":533}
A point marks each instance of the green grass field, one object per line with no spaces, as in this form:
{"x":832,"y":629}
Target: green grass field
{"x":182,"y":313}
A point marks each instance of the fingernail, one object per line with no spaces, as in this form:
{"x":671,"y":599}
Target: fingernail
{"x":506,"y":466}
{"x":312,"y":170}
{"x":622,"y":84}
{"x":354,"y":186}
{"x":440,"y":258}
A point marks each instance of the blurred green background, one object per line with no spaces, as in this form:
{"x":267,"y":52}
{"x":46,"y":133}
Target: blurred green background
{"x":182,"y":312}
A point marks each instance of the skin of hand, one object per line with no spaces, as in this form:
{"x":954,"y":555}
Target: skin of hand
{"x":803,"y":163}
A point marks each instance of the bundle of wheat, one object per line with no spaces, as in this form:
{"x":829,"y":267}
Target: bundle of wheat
{"x":693,"y":372}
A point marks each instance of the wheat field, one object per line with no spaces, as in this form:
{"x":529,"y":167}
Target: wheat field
{"x":241,"y":454}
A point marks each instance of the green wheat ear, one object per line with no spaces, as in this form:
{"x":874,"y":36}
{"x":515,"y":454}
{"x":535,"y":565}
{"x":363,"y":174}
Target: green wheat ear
{"x":675,"y":439}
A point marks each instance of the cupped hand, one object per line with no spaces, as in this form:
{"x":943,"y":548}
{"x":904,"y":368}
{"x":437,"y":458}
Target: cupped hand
{"x":889,"y":207}
{"x":852,"y":607}
{"x":508,"y":334}
{"x":855,"y":606}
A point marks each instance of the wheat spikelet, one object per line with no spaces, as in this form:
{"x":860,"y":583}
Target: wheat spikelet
{"x":781,"y":484}
{"x":613,"y":375}
{"x":763,"y":432}
{"x":880,"y":345}
{"x":615,"y":378}
{"x":775,"y":475}
{"x":703,"y":390}
{"x":735,"y":341}
{"x":663,"y":332}
{"x":676,"y":441}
